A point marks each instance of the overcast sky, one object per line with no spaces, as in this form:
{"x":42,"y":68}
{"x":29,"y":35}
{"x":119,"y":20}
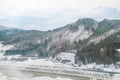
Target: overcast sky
{"x":50,"y":14}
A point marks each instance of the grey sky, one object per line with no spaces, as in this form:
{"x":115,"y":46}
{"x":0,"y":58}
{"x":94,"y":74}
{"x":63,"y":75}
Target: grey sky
{"x":50,"y":14}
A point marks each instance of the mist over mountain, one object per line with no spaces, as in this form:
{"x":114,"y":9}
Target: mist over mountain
{"x":90,"y":40}
{"x":33,"y":23}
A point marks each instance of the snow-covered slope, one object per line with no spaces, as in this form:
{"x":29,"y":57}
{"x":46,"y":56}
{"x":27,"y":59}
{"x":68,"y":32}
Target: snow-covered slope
{"x":96,"y":39}
{"x":3,"y":48}
{"x":79,"y":30}
{"x":76,"y":31}
{"x":81,"y":34}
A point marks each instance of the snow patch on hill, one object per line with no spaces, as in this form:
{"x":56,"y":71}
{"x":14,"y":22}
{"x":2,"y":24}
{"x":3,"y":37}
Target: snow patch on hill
{"x":101,"y":37}
{"x":81,"y":34}
{"x":3,"y":48}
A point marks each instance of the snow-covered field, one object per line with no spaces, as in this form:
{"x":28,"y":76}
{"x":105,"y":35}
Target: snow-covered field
{"x":36,"y":64}
{"x":9,"y":69}
{"x":12,"y":68}
{"x":109,"y":68}
{"x":5,"y":77}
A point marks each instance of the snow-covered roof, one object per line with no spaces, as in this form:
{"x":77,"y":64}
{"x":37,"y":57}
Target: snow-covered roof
{"x":118,"y":50}
{"x":117,"y":62}
{"x":65,"y":55}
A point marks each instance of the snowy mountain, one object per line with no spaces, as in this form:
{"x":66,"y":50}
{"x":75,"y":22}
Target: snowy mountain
{"x":76,"y":37}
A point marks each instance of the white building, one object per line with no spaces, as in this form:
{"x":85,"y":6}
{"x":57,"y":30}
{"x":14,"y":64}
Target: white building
{"x":67,"y":58}
{"x":118,"y":53}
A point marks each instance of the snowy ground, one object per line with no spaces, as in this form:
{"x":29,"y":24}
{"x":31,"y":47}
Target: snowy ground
{"x":4,"y":77}
{"x":109,"y":68}
{"x":10,"y":63}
